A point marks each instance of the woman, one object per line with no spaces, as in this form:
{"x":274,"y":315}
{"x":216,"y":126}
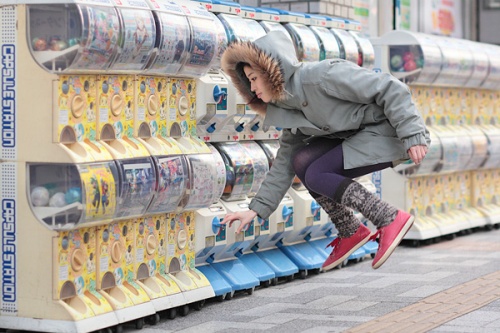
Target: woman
{"x":340,"y":121}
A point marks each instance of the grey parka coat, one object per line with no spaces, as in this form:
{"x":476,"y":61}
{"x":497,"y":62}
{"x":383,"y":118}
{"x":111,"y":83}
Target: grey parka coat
{"x":372,"y":112}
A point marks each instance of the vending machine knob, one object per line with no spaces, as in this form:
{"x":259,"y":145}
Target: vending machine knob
{"x":182,"y":239}
{"x":216,"y":226}
{"x":239,"y":128}
{"x":151,"y":244}
{"x":77,"y":260}
{"x":255,"y":127}
{"x":286,"y":212}
{"x":183,"y":105}
{"x":218,"y":94}
{"x":211,"y":128}
{"x":116,"y":252}
{"x":314,"y":207}
{"x":77,"y":106}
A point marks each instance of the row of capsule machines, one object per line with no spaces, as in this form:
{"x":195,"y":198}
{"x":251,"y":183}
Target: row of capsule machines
{"x":123,"y":145}
{"x":455,"y":84}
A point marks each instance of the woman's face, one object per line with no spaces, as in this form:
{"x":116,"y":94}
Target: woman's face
{"x":258,"y":83}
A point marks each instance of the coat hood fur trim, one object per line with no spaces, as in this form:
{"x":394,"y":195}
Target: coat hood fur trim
{"x":239,"y":53}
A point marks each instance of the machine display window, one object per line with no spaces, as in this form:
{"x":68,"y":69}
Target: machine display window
{"x":172,"y":42}
{"x":239,"y":171}
{"x":172,"y":173}
{"x":204,"y":47}
{"x":64,"y":195}
{"x":366,"y":53}
{"x":328,"y":44}
{"x":201,"y":182}
{"x":260,"y":164}
{"x":419,"y":62}
{"x":73,"y":37}
{"x":235,"y":27}
{"x":457,"y":63}
{"x":347,"y":45}
{"x":137,"y":39}
{"x":306,"y":44}
{"x":137,"y":180}
{"x":221,"y":41}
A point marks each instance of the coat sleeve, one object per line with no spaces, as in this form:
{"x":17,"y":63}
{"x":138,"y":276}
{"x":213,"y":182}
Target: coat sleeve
{"x":348,"y":81}
{"x":280,"y":176}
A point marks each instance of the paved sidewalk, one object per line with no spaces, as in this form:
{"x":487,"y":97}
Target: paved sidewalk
{"x":450,"y":286}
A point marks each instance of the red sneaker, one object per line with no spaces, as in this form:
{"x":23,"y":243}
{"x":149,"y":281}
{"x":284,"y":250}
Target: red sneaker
{"x":390,"y":237}
{"x":344,"y":247}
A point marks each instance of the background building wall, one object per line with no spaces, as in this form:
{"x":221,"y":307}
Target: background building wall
{"x":488,"y":22}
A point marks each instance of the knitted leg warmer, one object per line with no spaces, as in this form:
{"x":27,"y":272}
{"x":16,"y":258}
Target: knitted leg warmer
{"x":345,"y":222}
{"x":354,"y":195}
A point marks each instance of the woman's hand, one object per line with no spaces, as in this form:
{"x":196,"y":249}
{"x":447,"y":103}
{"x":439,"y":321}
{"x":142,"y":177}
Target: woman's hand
{"x":245,"y":217}
{"x":417,"y":153}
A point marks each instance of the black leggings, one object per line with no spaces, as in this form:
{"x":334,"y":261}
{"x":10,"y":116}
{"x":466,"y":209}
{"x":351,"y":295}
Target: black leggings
{"x":320,"y":167}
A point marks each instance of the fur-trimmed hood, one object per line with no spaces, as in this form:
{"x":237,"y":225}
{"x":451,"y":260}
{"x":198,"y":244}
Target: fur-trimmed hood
{"x":274,"y":54}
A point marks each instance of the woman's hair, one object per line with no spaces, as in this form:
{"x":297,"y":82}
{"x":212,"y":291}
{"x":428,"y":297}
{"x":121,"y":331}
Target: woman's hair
{"x":240,"y":69}
{"x":240,"y":66}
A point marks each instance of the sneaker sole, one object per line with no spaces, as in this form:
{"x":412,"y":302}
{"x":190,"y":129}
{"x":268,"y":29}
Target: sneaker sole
{"x":395,"y":243}
{"x":345,"y":256}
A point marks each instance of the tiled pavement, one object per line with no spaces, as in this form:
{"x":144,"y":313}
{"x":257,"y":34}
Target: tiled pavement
{"x":450,"y":286}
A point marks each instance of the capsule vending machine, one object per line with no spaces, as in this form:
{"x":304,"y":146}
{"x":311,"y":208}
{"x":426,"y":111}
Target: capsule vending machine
{"x":246,"y":252}
{"x":211,"y":236}
{"x":272,"y":231}
{"x":346,"y":41}
{"x":201,"y":182}
{"x":239,"y":180}
{"x":213,"y":113}
{"x":198,"y":56}
{"x":249,"y":124}
{"x":72,"y":181}
{"x":485,"y":114}
{"x":270,"y":20}
{"x":115,"y":116}
{"x":152,"y":95}
{"x":305,"y":42}
{"x":230,"y":122}
{"x":329,"y":47}
{"x":441,"y":72}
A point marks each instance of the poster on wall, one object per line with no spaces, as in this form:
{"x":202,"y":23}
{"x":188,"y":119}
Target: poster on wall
{"x":362,"y":10}
{"x":406,"y":15}
{"x":442,"y":17}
